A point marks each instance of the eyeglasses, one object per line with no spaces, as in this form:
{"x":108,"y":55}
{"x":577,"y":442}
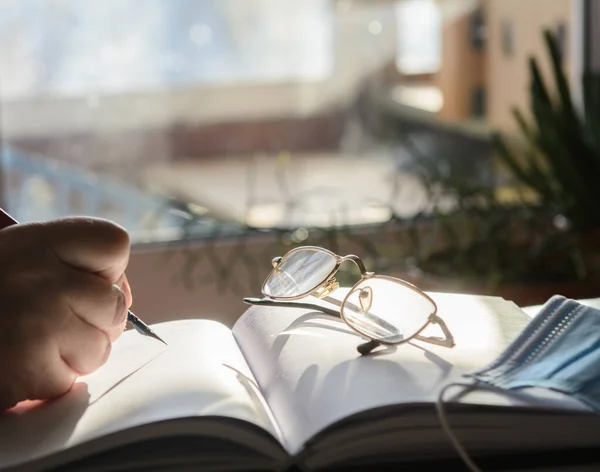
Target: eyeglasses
{"x":386,"y":310}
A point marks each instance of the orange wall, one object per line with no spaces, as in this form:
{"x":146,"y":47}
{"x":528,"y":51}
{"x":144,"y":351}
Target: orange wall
{"x":462,"y":69}
{"x":508,"y":77}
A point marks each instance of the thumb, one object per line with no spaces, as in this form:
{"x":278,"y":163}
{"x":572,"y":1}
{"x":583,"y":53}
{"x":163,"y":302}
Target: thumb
{"x":91,"y":244}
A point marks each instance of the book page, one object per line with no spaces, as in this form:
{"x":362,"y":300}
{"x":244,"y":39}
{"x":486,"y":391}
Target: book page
{"x":128,"y":355}
{"x":200,"y":373}
{"x":311,"y":374}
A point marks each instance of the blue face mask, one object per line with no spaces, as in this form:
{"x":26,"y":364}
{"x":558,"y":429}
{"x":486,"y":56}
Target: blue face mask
{"x":559,"y":349}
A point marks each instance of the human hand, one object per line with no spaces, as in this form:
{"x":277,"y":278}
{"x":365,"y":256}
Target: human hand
{"x":63,"y":301}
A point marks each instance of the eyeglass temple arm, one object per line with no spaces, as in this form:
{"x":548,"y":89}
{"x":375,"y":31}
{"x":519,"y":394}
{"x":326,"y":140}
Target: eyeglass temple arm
{"x":285,"y":304}
{"x":447,"y":341}
{"x":313,"y":306}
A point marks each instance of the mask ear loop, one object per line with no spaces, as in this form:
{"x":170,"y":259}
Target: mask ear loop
{"x":441,"y":414}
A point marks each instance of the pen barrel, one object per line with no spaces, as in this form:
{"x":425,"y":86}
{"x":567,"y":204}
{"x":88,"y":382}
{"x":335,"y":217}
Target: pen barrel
{"x":6,"y":220}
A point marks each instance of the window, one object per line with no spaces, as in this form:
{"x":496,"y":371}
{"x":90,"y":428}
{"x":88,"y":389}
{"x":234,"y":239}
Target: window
{"x":419,"y":36}
{"x":508,"y":38}
{"x":108,"y":46}
{"x":478,"y":102}
{"x":239,"y":125}
{"x":477,"y":30}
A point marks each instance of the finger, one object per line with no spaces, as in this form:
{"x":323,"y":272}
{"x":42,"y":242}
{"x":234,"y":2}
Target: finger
{"x":83,"y":347}
{"x":47,"y":375}
{"x":55,"y":380}
{"x":91,"y":244}
{"x":97,"y":302}
{"x":34,"y":372}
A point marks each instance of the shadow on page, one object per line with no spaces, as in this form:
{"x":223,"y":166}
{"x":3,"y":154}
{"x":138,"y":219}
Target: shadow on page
{"x":129,"y":354}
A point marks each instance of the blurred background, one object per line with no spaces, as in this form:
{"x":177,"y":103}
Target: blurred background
{"x":452,"y":143}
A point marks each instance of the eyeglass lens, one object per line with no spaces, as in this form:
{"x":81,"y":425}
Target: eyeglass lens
{"x":386,"y":310}
{"x":298,"y":273}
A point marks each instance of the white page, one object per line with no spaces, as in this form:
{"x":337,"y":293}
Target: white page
{"x":129,"y":353}
{"x":201,"y":373}
{"x":308,"y":368}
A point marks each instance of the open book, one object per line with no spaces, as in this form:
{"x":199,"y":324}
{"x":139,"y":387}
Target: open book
{"x":286,"y":387}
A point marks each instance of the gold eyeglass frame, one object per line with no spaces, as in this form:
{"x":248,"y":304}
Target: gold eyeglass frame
{"x":330,"y":284}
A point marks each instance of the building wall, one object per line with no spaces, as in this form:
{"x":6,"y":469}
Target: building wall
{"x":122,"y":152}
{"x":463,"y":67}
{"x":508,"y":74}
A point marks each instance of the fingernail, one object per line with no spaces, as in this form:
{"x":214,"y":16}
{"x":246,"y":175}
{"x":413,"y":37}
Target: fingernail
{"x":120,"y":281}
{"x":127,"y":289}
{"x":120,"y":310}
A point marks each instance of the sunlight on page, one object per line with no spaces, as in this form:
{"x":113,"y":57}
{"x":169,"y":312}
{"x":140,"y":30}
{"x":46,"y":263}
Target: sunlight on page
{"x":200,"y":373}
{"x":476,"y":336}
{"x":311,"y":374}
{"x":129,"y":354}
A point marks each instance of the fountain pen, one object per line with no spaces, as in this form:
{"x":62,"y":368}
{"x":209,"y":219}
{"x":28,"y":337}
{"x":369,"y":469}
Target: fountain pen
{"x":141,"y":327}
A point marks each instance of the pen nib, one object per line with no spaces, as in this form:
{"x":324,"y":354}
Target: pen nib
{"x":143,"y":328}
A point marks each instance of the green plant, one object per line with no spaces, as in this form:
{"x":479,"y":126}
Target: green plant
{"x":483,"y":240}
{"x":560,"y":161}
